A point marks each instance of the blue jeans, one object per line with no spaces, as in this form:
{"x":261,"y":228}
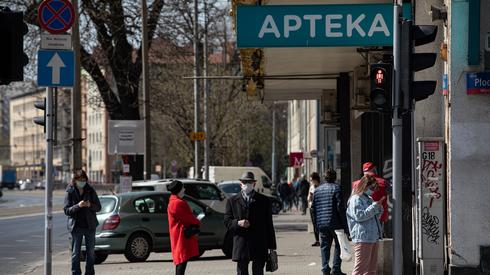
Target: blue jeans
{"x":327,"y":236}
{"x":77,"y":234}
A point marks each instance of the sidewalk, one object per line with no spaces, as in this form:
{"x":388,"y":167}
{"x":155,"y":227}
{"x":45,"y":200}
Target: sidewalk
{"x":296,"y":256}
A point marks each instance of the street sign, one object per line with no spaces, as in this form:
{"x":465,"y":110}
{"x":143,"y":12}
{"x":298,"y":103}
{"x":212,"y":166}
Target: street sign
{"x":55,"y":42}
{"x":126,"y":137}
{"x":197,"y":136}
{"x":56,"y":16}
{"x":478,"y":83}
{"x":316,"y":25}
{"x":296,"y":159}
{"x":55,"y":68}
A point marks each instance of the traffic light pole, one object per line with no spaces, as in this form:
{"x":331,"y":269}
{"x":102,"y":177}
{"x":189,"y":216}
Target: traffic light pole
{"x":48,"y":222}
{"x":197,"y":88}
{"x":397,"y":124}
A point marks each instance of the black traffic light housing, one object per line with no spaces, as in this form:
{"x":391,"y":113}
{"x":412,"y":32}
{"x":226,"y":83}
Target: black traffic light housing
{"x":411,"y":62}
{"x":41,"y":104}
{"x":12,"y":56}
{"x":380,"y":75}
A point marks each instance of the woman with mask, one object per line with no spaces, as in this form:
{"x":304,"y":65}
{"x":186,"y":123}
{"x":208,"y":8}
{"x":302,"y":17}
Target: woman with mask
{"x":81,"y":205}
{"x":364,"y":225}
{"x":248,"y":217}
{"x":180,"y":219}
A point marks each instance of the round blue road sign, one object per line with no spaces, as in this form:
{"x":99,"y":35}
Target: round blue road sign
{"x":56,"y":16}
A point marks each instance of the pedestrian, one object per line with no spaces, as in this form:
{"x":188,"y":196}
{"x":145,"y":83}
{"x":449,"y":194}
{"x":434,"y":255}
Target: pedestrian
{"x":315,"y":182}
{"x":248,"y":216}
{"x":284,"y":193}
{"x":329,"y":214}
{"x":81,"y":204}
{"x":296,"y":182}
{"x":369,"y":168}
{"x":181,"y":219}
{"x":364,"y":225}
{"x":304,"y":187}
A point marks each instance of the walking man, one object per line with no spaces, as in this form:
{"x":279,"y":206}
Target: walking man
{"x":329,"y":214}
{"x":248,"y":216}
{"x":81,"y":204}
{"x":304,"y":187}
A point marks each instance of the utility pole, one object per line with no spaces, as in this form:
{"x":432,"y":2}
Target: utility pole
{"x":397,"y":124}
{"x":196,"y":87}
{"x":146,"y":87}
{"x":76,"y":98}
{"x":48,"y":198}
{"x":274,"y":168}
{"x":206,"y":93}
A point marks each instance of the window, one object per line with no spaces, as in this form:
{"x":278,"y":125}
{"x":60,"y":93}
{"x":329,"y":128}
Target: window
{"x":231,"y":188}
{"x":107,"y":205}
{"x":196,"y":209}
{"x":152,"y":204}
{"x":208,"y":192}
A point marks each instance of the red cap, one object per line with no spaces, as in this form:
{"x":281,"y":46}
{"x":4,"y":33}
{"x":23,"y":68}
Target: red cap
{"x":368,"y":166}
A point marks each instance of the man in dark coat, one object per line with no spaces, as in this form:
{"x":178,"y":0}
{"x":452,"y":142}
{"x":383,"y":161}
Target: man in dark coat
{"x":248,"y":216}
{"x":81,"y":205}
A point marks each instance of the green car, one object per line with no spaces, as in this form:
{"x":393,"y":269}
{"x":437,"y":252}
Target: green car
{"x":135,"y":224}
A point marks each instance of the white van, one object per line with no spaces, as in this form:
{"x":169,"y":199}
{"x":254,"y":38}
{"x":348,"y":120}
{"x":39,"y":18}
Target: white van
{"x":218,"y":174}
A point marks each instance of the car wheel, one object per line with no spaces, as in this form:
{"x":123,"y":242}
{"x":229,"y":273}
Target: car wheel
{"x":228,"y":245}
{"x":100,"y":257}
{"x":276,"y":207}
{"x":138,"y":248}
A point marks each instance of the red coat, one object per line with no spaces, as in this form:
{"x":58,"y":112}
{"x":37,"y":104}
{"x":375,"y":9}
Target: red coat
{"x":378,"y":194}
{"x":180,"y":216}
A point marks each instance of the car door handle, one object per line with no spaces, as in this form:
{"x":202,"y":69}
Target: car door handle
{"x":145,"y":219}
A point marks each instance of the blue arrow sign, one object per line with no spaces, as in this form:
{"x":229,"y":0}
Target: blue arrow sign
{"x":55,"y":68}
{"x":316,"y":25}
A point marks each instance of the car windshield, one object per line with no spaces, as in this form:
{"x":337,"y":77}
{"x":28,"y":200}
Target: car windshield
{"x":231,"y":188}
{"x":107,"y":205}
{"x":143,"y":188}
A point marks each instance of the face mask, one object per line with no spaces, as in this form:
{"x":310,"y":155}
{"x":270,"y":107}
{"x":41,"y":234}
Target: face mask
{"x":247,"y":187}
{"x":369,"y":192}
{"x":81,"y":184}
{"x":181,"y":193}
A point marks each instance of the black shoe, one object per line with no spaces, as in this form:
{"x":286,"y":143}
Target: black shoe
{"x":315,"y":244}
{"x":338,"y":273}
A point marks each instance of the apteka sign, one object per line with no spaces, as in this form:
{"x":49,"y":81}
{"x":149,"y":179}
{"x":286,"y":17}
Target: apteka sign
{"x":315,"y":25}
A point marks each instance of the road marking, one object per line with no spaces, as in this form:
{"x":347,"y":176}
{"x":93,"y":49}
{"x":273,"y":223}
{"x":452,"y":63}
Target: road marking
{"x":28,"y":215}
{"x":21,"y":241}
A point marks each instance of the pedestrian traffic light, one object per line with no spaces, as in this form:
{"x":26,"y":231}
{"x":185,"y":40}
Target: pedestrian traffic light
{"x":411,"y":36}
{"x":41,"y":104}
{"x":12,"y":56}
{"x":380,"y":75}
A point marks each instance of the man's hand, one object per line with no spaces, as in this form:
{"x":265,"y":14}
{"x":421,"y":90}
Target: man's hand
{"x":244,"y":223}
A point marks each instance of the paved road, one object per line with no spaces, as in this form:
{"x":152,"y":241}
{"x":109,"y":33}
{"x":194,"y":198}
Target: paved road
{"x":22,"y":242}
{"x":15,"y":199}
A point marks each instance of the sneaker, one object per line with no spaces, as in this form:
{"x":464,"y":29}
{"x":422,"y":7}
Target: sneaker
{"x":315,"y":244}
{"x":338,"y":273}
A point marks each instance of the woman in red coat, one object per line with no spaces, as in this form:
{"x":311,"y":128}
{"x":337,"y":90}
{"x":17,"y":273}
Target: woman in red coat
{"x":180,"y":217}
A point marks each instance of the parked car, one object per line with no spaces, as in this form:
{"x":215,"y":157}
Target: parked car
{"x":40,"y":184}
{"x":202,"y":190}
{"x":232,"y":187}
{"x":135,"y":224}
{"x":26,"y":184}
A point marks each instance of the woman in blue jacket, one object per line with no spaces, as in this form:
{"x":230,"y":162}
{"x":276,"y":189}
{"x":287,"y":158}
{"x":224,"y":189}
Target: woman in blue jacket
{"x":364,"y":225}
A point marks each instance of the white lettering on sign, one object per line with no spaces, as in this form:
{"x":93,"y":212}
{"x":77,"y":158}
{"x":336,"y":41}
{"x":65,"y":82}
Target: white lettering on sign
{"x":482,"y":82}
{"x":329,"y":25}
{"x":333,"y":25}
{"x":289,"y":28}
{"x":269,"y":26}
{"x":312,"y":18}
{"x":378,"y":25}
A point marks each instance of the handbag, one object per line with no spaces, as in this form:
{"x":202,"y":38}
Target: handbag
{"x":271,"y":264}
{"x":345,"y":250}
{"x":191,"y":230}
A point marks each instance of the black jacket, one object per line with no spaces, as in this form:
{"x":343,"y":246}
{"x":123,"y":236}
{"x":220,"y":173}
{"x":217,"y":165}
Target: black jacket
{"x":250,"y":243}
{"x":74,"y":212}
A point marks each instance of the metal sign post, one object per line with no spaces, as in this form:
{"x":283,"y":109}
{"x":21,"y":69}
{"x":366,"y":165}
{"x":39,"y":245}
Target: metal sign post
{"x":48,"y":232}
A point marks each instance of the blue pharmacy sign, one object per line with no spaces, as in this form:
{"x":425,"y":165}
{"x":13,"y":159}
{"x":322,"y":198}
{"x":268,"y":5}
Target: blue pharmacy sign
{"x":478,"y":83}
{"x":316,"y":25}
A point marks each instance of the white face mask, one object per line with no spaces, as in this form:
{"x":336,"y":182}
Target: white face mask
{"x":369,"y":192}
{"x":81,"y":184}
{"x":181,"y":193}
{"x":247,"y":187}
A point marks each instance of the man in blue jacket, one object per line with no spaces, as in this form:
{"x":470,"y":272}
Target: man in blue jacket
{"x":329,"y":214}
{"x":81,"y":205}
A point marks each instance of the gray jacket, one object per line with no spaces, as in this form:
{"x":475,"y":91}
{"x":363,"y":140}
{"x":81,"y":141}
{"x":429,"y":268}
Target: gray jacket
{"x":74,"y":212}
{"x":363,"y":219}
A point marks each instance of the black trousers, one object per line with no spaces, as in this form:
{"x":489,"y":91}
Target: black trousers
{"x":257,"y":267}
{"x":180,"y":268}
{"x":315,"y":230}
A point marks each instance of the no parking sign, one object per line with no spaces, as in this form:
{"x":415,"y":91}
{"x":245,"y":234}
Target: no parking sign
{"x":56,"y":16}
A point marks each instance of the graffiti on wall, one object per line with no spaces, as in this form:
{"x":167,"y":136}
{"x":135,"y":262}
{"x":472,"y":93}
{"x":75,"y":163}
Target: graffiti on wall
{"x":431,"y":177}
{"x":430,"y":226}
